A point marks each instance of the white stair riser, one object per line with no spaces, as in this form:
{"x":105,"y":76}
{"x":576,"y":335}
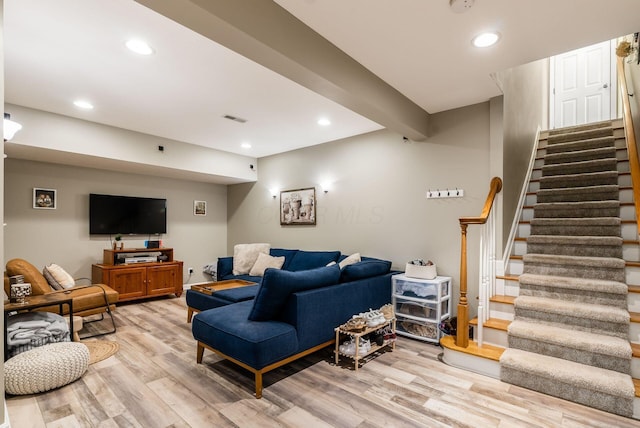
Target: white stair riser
{"x":632,"y":275}
{"x":624,"y":180}
{"x":492,"y":336}
{"x":503,"y":311}
{"x":515,"y":267}
{"x":519,"y":248}
{"x":633,"y":302}
{"x":461,"y":360}
{"x":634,"y":332}
{"x":635,"y":368}
{"x":527,"y":214}
{"x":524,"y":230}
{"x":530,"y":200}
{"x":629,"y":231}
{"x":534,"y":186}
{"x":627,"y":212}
{"x":631,"y":252}
{"x":626,"y":195}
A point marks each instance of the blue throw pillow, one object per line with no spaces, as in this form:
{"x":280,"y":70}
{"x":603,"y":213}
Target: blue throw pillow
{"x":278,"y":284}
{"x":288,"y":256}
{"x":305,"y":260}
{"x":367,"y":268}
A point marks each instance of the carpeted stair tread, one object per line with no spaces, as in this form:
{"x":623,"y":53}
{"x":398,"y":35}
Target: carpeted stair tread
{"x":598,"y":165}
{"x":574,"y":240}
{"x":580,"y":135}
{"x":580,"y":155}
{"x":581,"y":284}
{"x":578,"y":194}
{"x":573,"y":309}
{"x":604,"y":262}
{"x":609,"y":208}
{"x":586,"y":290}
{"x":592,"y":386}
{"x":592,"y":143}
{"x":579,"y":180}
{"x":598,"y":343}
{"x":589,"y":246}
{"x":591,"y":226}
{"x":582,"y":127}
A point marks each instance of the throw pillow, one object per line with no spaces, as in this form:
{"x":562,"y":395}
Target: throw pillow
{"x":353,"y":258}
{"x":245,"y":256}
{"x":367,"y":268}
{"x":265,"y":261}
{"x":277,"y":285}
{"x":57,"y":277}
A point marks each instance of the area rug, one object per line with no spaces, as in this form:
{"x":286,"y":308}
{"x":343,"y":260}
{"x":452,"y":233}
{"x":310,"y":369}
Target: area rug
{"x":100,"y":349}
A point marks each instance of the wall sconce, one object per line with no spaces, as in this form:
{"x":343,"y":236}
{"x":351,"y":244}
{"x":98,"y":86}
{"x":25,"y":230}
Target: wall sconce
{"x":326,"y":186}
{"x":10,"y":127}
{"x":274,"y":192}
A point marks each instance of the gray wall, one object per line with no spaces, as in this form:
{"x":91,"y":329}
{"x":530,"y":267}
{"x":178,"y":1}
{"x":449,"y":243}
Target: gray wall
{"x":377,"y":204}
{"x":526,"y":103}
{"x":61,"y":236}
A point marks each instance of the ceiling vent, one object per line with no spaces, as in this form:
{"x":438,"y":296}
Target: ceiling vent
{"x":234,"y":118}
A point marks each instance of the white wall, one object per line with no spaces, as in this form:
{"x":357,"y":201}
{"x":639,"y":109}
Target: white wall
{"x":377,"y":204}
{"x":62,"y":235}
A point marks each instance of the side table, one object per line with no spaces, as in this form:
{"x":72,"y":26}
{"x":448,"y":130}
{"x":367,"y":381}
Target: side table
{"x":35,"y":302}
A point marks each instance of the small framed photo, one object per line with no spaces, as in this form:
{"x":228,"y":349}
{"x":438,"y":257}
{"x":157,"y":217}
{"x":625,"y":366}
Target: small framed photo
{"x":199,"y":207}
{"x":44,"y":199}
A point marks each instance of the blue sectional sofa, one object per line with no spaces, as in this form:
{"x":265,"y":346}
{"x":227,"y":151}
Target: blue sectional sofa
{"x":291,"y":313}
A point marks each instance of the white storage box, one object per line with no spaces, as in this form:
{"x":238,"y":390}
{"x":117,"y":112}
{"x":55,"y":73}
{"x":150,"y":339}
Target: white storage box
{"x":421,"y":272}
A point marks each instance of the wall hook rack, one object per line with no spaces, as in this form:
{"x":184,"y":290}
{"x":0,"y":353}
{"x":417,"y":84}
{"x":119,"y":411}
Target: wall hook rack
{"x":445,"y":193}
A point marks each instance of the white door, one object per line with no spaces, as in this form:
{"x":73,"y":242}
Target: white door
{"x":582,"y":86}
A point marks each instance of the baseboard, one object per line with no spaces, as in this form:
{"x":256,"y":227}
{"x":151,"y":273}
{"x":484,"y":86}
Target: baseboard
{"x":188,"y":286}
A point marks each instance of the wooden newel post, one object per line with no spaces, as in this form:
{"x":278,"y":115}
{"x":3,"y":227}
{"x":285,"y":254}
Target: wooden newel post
{"x":462,"y":334}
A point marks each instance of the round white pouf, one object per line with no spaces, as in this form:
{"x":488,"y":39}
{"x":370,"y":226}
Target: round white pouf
{"x":46,"y":367}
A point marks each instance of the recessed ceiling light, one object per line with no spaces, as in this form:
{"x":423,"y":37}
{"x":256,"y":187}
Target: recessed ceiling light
{"x":139,"y":46}
{"x":324,"y":122}
{"x":485,"y":40}
{"x":245,"y":145}
{"x":85,"y":105}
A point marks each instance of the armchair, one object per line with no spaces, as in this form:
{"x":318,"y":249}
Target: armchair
{"x":87,"y":299}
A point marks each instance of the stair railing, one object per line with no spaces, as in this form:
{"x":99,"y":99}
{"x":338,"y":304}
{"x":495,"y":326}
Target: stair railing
{"x":630,"y":135}
{"x":462,"y":334}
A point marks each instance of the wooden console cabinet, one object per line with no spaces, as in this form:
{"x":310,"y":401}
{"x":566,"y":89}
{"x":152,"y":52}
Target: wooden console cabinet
{"x":139,"y":280}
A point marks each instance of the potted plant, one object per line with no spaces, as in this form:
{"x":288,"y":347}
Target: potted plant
{"x":118,"y":243}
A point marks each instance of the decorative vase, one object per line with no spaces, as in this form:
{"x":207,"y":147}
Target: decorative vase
{"x":19,"y":291}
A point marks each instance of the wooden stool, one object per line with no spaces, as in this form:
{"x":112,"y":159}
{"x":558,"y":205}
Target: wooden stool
{"x":77,"y":326}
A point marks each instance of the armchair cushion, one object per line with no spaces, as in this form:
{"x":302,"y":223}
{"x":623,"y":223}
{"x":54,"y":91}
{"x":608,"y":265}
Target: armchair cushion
{"x":32,"y":275}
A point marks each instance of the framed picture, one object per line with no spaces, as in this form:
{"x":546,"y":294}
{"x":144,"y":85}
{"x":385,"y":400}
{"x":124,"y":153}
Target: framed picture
{"x":199,"y":207}
{"x":44,"y":199}
{"x":298,"y":207}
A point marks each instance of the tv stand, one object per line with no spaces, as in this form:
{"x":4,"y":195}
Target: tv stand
{"x":139,"y":280}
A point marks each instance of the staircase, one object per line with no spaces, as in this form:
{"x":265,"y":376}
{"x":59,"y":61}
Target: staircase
{"x":562,"y":323}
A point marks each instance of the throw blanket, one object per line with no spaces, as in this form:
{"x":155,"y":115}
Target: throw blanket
{"x":37,"y":328}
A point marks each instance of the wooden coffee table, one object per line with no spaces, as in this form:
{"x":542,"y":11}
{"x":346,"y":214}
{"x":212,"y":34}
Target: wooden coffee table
{"x":210,"y":288}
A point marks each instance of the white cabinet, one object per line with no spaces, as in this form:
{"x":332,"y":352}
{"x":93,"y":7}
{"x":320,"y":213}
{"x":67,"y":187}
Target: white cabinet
{"x":420,"y":305}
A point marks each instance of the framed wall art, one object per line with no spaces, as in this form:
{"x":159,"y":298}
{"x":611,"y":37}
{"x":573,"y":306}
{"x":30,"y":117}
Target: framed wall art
{"x":44,"y":199}
{"x":199,"y":207}
{"x":298,"y":207}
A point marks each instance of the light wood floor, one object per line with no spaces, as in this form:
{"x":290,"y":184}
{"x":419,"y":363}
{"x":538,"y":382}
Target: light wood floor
{"x":154,"y":381}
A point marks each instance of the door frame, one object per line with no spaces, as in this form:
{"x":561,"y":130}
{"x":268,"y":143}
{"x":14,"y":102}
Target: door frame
{"x":613,"y":99}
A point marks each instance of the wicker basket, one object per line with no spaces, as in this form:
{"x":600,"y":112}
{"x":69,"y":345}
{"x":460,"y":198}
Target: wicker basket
{"x":421,"y":272}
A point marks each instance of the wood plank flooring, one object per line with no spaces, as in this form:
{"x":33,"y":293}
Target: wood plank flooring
{"x":154,"y":381}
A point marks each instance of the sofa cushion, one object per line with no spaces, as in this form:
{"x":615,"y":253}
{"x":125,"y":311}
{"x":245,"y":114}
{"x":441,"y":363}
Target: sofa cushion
{"x":257,"y":344}
{"x":277,"y":285}
{"x":202,"y":302}
{"x":367,"y":268}
{"x":265,"y":261}
{"x":245,"y":256}
{"x":32,"y":275}
{"x":288,"y":255}
{"x":305,"y":260}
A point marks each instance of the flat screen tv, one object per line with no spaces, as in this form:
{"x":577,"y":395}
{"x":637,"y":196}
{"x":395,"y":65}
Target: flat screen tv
{"x":127,"y":215}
